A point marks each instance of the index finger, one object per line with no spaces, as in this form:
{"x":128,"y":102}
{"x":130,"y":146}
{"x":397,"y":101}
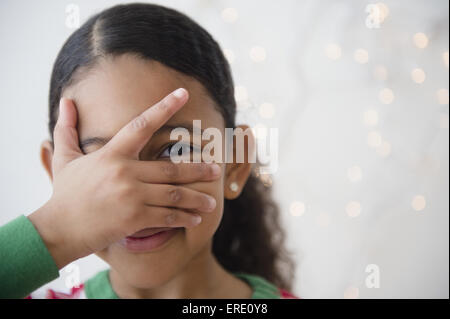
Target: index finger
{"x":132,"y":138}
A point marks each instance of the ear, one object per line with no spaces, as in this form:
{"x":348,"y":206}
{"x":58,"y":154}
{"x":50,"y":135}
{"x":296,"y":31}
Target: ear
{"x":236,"y":174}
{"x":47,"y":156}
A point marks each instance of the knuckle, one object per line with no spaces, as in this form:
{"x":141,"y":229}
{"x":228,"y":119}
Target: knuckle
{"x":125,"y":191}
{"x":171,"y":217}
{"x":104,"y":155}
{"x":135,"y":211}
{"x":58,"y":128}
{"x":202,"y":169}
{"x":174,"y":194}
{"x":118,"y":171}
{"x":171,"y":170}
{"x":139,"y":123}
{"x":164,"y":104}
{"x":129,"y":215}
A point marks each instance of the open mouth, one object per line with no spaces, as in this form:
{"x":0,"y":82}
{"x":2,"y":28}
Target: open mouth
{"x":148,"y":239}
{"x":148,"y":232}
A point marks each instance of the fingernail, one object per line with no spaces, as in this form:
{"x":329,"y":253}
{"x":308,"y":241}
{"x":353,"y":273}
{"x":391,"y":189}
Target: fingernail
{"x":215,"y":170}
{"x":61,"y":110}
{"x":179,"y":93}
{"x":197,"y":219}
{"x":211,"y":203}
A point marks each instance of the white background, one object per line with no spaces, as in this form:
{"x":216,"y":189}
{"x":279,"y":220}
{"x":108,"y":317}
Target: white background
{"x":342,"y":139}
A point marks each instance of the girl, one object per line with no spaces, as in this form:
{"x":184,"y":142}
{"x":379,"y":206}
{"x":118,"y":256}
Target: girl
{"x":189,"y":230}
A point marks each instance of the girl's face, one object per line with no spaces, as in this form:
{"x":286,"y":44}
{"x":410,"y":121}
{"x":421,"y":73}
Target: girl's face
{"x":107,"y":97}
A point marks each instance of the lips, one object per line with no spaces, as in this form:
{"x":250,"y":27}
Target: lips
{"x":148,"y":239}
{"x":148,"y":232}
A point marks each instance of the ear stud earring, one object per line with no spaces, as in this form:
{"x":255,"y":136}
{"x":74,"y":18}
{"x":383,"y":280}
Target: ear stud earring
{"x":234,"y":187}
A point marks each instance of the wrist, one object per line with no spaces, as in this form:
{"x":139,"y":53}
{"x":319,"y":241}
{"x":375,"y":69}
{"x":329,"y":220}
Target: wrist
{"x":43,"y":219}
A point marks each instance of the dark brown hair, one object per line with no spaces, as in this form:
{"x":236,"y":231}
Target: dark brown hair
{"x":249,"y":238}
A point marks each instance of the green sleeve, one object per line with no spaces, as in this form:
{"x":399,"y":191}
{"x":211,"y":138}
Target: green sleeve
{"x":25,"y":262}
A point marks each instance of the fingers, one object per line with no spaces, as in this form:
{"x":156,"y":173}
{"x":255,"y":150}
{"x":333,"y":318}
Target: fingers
{"x":152,"y":216}
{"x":130,"y":140}
{"x":176,"y":196}
{"x":65,"y":134}
{"x":166,"y":172}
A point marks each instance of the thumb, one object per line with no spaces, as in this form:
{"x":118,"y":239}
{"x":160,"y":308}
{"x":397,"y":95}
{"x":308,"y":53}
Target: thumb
{"x":65,"y":135}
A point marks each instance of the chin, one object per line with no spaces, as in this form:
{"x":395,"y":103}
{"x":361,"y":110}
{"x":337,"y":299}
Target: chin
{"x":147,"y":273}
{"x":145,"y":270}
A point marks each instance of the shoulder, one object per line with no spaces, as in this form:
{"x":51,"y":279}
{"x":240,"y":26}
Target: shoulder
{"x":263,"y":289}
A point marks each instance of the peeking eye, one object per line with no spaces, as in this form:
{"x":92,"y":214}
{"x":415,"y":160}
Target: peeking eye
{"x":180,"y":150}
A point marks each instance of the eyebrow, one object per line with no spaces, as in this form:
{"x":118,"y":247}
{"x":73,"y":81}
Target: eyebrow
{"x":101,"y":141}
